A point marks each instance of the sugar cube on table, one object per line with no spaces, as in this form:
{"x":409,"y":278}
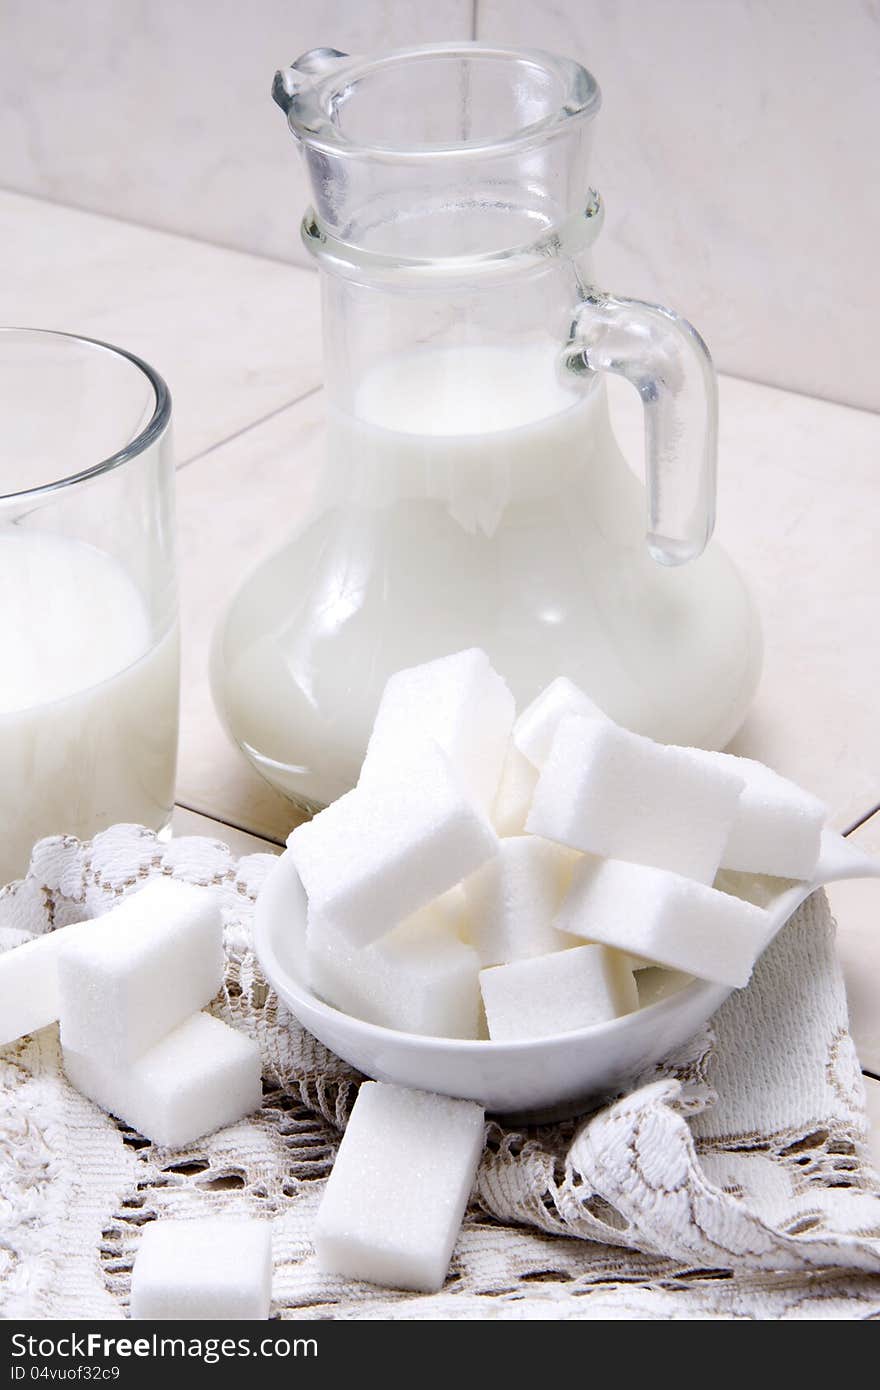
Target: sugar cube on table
{"x":513,"y":899}
{"x":557,"y":993}
{"x":140,"y":970}
{"x":535,"y":729}
{"x":29,"y":983}
{"x":461,"y":703}
{"x":666,"y":918}
{"x":202,"y":1076}
{"x":519,"y":778}
{"x":419,"y":978}
{"x":210,"y":1269}
{"x":384,"y":850}
{"x":609,"y":792}
{"x":394,"y":1202}
{"x":777,"y":828}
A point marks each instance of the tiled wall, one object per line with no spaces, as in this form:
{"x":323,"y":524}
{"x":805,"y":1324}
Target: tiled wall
{"x":159,"y":111}
{"x":736,"y":151}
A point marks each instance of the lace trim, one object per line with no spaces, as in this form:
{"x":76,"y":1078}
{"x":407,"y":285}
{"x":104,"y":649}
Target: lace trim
{"x":662,"y":1204}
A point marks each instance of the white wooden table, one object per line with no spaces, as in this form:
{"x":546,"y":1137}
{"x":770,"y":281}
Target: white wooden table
{"x":238,"y":339}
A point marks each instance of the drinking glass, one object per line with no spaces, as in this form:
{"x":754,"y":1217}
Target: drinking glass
{"x":89,"y":647}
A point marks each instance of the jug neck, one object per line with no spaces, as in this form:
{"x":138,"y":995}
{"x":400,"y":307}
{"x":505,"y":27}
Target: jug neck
{"x":442,"y":151}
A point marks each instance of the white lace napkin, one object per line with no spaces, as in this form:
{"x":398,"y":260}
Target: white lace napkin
{"x":731,"y":1183}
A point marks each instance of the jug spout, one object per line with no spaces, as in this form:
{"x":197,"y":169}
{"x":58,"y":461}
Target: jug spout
{"x":304,"y":72}
{"x":441,"y":149}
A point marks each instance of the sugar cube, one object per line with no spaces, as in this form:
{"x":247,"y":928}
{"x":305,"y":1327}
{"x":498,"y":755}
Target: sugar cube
{"x":666,"y":918}
{"x":760,"y":889}
{"x":515,"y":791}
{"x":609,"y":792}
{"x":394,"y":1202}
{"x":140,"y":970}
{"x":637,"y":962}
{"x":656,"y":983}
{"x":535,"y":729}
{"x":419,"y":978}
{"x":777,"y":828}
{"x":211,"y":1268}
{"x":557,"y":993}
{"x":458,"y":701}
{"x":513,"y":899}
{"x":387,"y":848}
{"x":29,"y":983}
{"x":451,"y":908}
{"x":200,"y":1077}
{"x":294,"y":943}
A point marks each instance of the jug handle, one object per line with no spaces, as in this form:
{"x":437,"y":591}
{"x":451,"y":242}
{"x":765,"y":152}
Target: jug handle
{"x":665,"y":358}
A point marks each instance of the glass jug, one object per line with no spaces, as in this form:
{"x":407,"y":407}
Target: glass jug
{"x":473,"y":492}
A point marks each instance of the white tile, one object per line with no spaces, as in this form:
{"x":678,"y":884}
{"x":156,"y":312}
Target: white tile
{"x":235,"y":336}
{"x":856,"y":907}
{"x":872,"y":1097}
{"x":185,"y":822}
{"x":797,"y":510}
{"x":162,"y":113}
{"x":736,"y":153}
{"x":234,"y":507}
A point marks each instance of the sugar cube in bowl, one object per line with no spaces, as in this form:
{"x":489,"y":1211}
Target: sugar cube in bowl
{"x":533,"y":1078}
{"x":606,"y":854}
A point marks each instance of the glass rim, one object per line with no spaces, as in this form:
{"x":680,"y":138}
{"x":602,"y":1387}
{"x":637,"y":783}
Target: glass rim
{"x":153,"y":430}
{"x":310,"y":112}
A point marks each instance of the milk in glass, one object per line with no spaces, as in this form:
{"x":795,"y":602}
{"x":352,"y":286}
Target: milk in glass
{"x":88,"y":697}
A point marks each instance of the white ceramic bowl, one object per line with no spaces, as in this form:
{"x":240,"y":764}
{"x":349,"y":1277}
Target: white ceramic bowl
{"x":536,"y":1079}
